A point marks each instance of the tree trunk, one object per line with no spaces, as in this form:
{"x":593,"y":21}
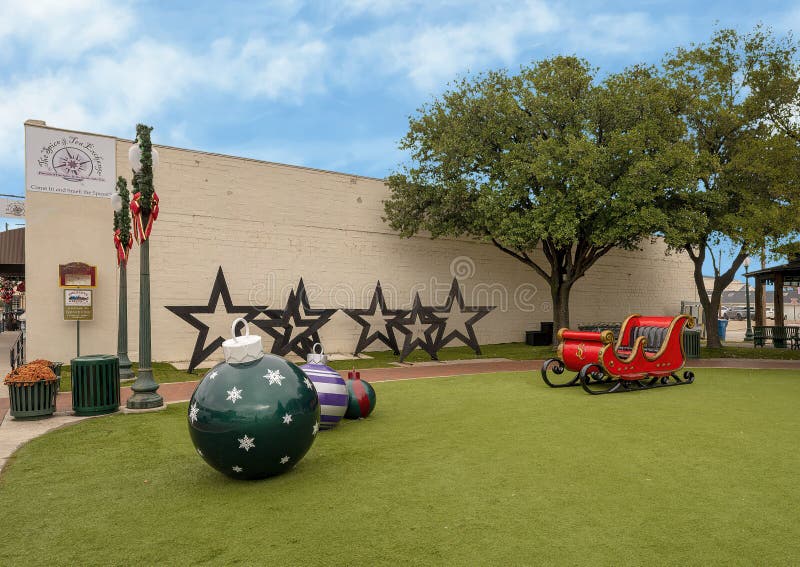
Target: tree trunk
{"x":722,"y":280}
{"x":559,"y":292}
{"x":711,"y":311}
{"x":567,"y":265}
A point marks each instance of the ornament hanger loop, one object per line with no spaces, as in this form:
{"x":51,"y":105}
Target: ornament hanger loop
{"x":321,"y":349}
{"x":246,"y":327}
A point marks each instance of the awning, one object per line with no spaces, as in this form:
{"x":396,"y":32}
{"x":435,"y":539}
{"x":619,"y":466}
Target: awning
{"x":12,"y":252}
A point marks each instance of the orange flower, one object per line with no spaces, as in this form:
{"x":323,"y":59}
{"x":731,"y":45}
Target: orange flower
{"x":28,"y":374}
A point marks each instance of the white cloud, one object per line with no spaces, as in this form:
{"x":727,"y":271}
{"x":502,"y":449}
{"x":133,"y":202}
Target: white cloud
{"x":628,"y":32}
{"x":117,"y":89}
{"x":60,"y":29}
{"x":433,"y":54}
{"x":354,"y":8}
{"x":263,"y":68}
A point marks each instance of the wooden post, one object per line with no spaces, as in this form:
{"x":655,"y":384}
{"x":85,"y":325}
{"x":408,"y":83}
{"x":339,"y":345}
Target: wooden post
{"x":761,"y":300}
{"x":777,"y":297}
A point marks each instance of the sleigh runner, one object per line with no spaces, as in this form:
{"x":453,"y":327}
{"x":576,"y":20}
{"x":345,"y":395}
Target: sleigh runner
{"x":648,"y":354}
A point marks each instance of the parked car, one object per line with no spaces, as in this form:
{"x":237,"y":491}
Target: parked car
{"x":739,"y":313}
{"x":723,"y":311}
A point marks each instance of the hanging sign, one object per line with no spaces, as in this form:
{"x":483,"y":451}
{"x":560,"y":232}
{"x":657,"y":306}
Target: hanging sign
{"x":78,"y":305}
{"x":77,"y":274}
{"x":69,"y":163}
{"x":12,"y":208}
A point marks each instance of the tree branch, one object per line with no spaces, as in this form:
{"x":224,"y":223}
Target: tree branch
{"x":713,"y":262}
{"x":522,"y":257}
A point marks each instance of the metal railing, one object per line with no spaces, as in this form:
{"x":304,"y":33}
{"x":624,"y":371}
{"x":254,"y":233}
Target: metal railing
{"x":18,"y":352}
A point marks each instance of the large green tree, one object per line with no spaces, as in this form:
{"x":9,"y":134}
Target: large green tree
{"x":549,"y":160}
{"x":740,"y":90}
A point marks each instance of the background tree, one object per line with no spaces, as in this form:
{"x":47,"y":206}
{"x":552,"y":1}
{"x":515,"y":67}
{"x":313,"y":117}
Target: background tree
{"x":746,"y":192}
{"x":546,"y":158}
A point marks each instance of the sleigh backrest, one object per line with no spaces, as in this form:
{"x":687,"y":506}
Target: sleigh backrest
{"x":654,"y":328}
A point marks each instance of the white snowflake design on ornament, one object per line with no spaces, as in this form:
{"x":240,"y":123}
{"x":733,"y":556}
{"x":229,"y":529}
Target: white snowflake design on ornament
{"x":213,"y":375}
{"x":274,"y":377}
{"x":287,"y":418}
{"x":316,"y":429}
{"x":307,"y":382}
{"x":246,"y":443}
{"x":237,"y":468}
{"x":285,"y":460}
{"x":193,"y":412}
{"x":234,"y":395}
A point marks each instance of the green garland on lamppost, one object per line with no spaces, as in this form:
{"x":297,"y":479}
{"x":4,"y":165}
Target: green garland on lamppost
{"x":145,"y":211}
{"x":123,"y":241}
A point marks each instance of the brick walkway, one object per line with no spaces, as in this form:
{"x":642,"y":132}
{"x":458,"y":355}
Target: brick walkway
{"x":182,"y":391}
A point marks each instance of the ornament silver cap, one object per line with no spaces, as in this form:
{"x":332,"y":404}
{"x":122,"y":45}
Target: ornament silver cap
{"x":244,"y":348}
{"x":315,"y":357}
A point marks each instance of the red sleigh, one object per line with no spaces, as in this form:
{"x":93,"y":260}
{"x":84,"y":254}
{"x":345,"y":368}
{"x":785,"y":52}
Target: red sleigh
{"x":648,"y":354}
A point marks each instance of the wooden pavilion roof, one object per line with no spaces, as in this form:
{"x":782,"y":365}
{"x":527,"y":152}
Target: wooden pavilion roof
{"x":790,"y":272}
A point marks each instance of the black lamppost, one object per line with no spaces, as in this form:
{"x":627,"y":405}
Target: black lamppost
{"x":144,"y":210}
{"x":123,"y":241}
{"x":748,"y":334}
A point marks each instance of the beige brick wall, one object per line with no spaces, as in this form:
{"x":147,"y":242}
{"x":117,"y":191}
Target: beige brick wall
{"x":267,"y":225}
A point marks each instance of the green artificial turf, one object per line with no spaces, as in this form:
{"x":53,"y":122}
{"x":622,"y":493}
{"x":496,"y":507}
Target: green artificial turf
{"x":494,"y":469}
{"x":767,"y":352}
{"x":386,"y":358}
{"x":164,"y":372}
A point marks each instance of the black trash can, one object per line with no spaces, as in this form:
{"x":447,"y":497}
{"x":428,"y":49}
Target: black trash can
{"x":95,"y":384}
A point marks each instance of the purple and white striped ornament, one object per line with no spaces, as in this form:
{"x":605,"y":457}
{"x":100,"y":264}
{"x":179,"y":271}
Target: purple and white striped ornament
{"x":331,"y":389}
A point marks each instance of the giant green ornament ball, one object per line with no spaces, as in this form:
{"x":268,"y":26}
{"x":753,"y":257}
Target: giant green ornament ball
{"x":254,"y":415}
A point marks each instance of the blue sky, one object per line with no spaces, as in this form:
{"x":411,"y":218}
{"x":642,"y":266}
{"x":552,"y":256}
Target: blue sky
{"x":326,"y":84}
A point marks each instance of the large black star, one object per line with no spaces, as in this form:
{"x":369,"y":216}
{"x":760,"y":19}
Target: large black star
{"x":369,"y":320}
{"x":455,"y":299}
{"x":297,"y":315}
{"x":415,"y":335}
{"x":201,"y":350}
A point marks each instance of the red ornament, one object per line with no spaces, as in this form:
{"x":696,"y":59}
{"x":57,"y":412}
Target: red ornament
{"x":361,"y":396}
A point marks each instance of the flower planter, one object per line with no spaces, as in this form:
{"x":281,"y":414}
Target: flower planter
{"x":32,"y":400}
{"x":32,"y":390}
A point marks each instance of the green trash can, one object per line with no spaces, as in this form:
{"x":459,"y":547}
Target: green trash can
{"x":691,"y":343}
{"x":95,"y":384}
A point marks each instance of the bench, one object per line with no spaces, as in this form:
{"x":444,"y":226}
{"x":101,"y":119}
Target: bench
{"x":780,"y":336}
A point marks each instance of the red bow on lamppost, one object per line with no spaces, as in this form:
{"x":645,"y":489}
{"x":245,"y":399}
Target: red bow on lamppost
{"x":123,"y":249}
{"x":140,"y":230}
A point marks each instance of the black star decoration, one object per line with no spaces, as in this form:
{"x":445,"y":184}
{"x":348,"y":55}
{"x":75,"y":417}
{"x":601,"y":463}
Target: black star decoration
{"x":376,"y":327}
{"x":412,"y":328}
{"x":201,"y":350}
{"x":456,"y":299}
{"x":283,"y":326}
